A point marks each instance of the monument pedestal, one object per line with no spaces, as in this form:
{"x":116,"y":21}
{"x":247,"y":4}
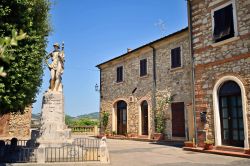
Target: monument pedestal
{"x":53,"y":130}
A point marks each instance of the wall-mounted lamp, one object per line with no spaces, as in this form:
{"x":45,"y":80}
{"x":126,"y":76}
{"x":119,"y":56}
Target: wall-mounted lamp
{"x":97,"y":88}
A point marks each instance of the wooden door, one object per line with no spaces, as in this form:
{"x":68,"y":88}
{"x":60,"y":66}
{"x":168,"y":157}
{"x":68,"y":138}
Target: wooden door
{"x":178,"y":119}
{"x":144,"y":118}
{"x":121,"y":118}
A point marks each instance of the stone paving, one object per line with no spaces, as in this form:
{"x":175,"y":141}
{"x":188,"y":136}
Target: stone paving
{"x":135,"y":153}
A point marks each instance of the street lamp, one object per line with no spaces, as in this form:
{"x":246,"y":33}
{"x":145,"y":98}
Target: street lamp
{"x":97,"y":88}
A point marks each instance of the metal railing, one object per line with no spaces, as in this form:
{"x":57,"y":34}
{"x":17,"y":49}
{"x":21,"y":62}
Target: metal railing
{"x":92,"y":146}
{"x":27,"y":155}
{"x":87,"y":142}
{"x":18,"y":154}
{"x":68,"y":153}
{"x":82,"y":149}
{"x":26,"y":151}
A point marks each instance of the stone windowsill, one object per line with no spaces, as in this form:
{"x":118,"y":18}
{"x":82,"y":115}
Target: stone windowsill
{"x":176,"y":68}
{"x":118,"y":83}
{"x":225,"y":41}
{"x":145,"y":76}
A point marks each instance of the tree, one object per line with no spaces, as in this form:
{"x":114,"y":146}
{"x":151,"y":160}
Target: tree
{"x":24,"y":73}
{"x":5,"y":43}
{"x":70,"y":121}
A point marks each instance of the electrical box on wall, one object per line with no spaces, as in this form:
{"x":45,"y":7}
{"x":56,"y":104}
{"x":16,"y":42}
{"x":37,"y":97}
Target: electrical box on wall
{"x":203,"y":116}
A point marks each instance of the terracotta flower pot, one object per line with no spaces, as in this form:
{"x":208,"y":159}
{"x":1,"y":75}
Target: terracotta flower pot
{"x":247,"y":151}
{"x":158,"y":136}
{"x":208,"y":146}
{"x":189,"y":144}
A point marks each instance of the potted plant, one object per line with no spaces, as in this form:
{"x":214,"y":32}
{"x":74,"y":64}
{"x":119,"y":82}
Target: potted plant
{"x":114,"y":133}
{"x":208,"y":145}
{"x":159,"y":126}
{"x":107,"y":133}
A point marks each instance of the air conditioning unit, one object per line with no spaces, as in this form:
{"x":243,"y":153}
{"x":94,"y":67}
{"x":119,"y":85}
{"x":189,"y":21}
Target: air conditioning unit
{"x":131,"y":99}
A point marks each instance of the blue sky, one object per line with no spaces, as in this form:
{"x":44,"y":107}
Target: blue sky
{"x":95,"y":31}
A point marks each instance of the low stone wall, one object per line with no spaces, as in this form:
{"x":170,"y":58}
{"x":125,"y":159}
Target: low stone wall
{"x":16,"y":124}
{"x":4,"y":125}
{"x":84,"y":130}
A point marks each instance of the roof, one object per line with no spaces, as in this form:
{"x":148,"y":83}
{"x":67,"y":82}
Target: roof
{"x":146,"y":45}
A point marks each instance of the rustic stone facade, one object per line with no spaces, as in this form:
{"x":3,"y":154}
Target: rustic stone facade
{"x":135,"y":89}
{"x":218,"y":62}
{"x":15,"y":124}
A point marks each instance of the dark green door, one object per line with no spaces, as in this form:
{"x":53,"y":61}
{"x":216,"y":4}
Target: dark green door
{"x":231,"y":116}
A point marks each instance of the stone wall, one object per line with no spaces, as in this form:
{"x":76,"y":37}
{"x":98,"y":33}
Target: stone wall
{"x":15,"y":124}
{"x":175,"y":82}
{"x":215,"y":60}
{"x":112,"y":92}
{"x":168,"y":82}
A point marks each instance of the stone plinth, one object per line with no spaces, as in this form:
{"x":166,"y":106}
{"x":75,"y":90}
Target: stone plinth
{"x":53,"y":131}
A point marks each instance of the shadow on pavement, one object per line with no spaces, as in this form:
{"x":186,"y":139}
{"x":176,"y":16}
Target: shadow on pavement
{"x":177,"y":144}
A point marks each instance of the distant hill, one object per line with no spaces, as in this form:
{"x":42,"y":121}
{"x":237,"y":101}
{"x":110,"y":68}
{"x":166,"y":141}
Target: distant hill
{"x":94,"y":115}
{"x":35,"y":116}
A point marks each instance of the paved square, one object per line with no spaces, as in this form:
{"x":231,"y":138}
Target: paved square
{"x":133,"y":153}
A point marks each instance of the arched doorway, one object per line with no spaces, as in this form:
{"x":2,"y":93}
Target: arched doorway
{"x":121,"y":117}
{"x":231,"y":114}
{"x":144,"y":117}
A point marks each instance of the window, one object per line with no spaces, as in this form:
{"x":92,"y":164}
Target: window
{"x":143,"y":67}
{"x":119,"y":74}
{"x":176,"y":57}
{"x":223,"y":23}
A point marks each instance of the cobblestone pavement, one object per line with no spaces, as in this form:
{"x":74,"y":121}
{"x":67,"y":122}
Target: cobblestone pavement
{"x":135,"y":153}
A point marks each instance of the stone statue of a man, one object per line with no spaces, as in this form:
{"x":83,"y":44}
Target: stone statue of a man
{"x":56,"y":67}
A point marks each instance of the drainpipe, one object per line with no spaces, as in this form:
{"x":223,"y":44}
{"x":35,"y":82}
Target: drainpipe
{"x":100,"y":96}
{"x":154,"y":89}
{"x":193,"y":66}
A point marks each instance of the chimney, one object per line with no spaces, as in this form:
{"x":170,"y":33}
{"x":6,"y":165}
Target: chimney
{"x":129,"y":49}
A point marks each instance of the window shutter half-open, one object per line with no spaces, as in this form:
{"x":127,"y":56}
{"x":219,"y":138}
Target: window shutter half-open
{"x":223,"y":23}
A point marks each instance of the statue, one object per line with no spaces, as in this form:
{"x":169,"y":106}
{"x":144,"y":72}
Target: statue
{"x":56,"y":67}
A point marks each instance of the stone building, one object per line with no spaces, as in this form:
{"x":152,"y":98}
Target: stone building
{"x":221,"y":49}
{"x":15,"y":124}
{"x":135,"y":86}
